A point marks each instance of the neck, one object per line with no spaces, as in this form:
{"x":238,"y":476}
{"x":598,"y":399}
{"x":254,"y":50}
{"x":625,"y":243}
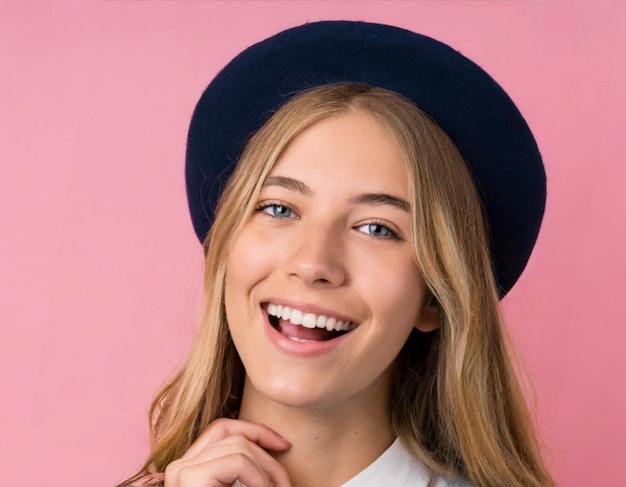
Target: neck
{"x":329,"y":445}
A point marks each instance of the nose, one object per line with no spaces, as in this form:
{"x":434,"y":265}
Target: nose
{"x":317,"y":257}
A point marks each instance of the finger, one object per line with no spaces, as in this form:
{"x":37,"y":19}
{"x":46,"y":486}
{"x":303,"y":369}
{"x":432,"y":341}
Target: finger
{"x":251,"y":475}
{"x":222,"y":472}
{"x":240,"y":444}
{"x":222,"y":428}
{"x":150,"y":479}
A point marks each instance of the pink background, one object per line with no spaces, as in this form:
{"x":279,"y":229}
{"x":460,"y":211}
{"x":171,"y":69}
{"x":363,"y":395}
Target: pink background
{"x":100,"y":273}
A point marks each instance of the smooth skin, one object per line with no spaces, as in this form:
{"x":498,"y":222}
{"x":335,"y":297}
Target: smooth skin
{"x":230,"y":450}
{"x":331,"y":231}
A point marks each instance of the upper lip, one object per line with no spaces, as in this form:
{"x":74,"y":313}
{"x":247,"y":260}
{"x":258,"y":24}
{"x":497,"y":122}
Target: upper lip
{"x":309,"y":308}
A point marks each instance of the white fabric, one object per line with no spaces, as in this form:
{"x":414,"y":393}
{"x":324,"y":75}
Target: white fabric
{"x":396,"y":467}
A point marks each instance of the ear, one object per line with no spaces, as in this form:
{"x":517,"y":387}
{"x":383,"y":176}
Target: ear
{"x":430,"y":317}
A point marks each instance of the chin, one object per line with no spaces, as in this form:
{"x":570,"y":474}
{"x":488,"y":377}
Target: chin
{"x":288,"y":393}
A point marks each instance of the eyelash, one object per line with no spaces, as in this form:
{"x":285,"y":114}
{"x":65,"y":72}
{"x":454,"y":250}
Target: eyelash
{"x":393,"y":235}
{"x":269,"y":204}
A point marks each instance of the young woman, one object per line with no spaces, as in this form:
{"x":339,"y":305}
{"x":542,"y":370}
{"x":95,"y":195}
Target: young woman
{"x":386,"y":193}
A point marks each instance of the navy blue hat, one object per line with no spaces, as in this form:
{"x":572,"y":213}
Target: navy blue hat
{"x":464,"y":100}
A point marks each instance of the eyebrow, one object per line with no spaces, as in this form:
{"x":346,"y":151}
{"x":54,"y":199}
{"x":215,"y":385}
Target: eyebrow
{"x":381,"y":199}
{"x":364,"y":198}
{"x":288,"y":183}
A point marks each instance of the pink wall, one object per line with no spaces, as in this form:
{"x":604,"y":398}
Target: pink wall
{"x":100,"y":271}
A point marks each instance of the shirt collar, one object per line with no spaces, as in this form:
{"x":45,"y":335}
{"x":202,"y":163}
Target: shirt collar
{"x":394,"y":467}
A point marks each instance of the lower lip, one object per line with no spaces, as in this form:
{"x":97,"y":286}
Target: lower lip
{"x":302,"y":349}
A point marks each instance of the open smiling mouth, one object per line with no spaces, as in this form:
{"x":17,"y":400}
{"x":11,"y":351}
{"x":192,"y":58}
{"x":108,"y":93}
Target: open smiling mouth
{"x":304,"y":327}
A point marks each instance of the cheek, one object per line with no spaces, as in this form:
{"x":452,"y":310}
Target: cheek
{"x":240,"y":269}
{"x":394,"y":299}
{"x":248,"y":261}
{"x":243,"y":257}
{"x":396,"y":291}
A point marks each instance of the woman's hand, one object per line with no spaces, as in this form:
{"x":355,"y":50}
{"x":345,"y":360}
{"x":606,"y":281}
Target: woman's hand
{"x":229,"y":450}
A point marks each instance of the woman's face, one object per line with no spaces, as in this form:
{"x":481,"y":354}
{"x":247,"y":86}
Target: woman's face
{"x":321,"y":288}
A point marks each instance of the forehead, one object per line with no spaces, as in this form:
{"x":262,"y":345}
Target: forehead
{"x":352,"y":149}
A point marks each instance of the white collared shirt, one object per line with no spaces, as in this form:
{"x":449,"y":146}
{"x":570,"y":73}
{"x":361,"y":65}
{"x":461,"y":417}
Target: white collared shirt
{"x":394,"y":467}
{"x":398,"y":468}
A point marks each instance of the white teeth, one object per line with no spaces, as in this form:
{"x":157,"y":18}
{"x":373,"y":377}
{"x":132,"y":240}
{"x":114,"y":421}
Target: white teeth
{"x":330,"y":324}
{"x":321,"y":321}
{"x":296,"y":317}
{"x":286,"y":314}
{"x":308,"y":320}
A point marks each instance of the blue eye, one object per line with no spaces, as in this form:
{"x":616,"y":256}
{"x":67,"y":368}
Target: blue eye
{"x":378,"y":230}
{"x":276,"y":210}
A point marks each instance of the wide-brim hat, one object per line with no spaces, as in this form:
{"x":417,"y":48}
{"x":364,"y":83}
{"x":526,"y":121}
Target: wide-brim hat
{"x":475,"y":112}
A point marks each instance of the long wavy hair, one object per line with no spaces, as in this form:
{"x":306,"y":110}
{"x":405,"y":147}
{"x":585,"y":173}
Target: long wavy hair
{"x":456,"y":402}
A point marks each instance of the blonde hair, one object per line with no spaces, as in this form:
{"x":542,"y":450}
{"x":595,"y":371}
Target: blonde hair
{"x":456,"y":403}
